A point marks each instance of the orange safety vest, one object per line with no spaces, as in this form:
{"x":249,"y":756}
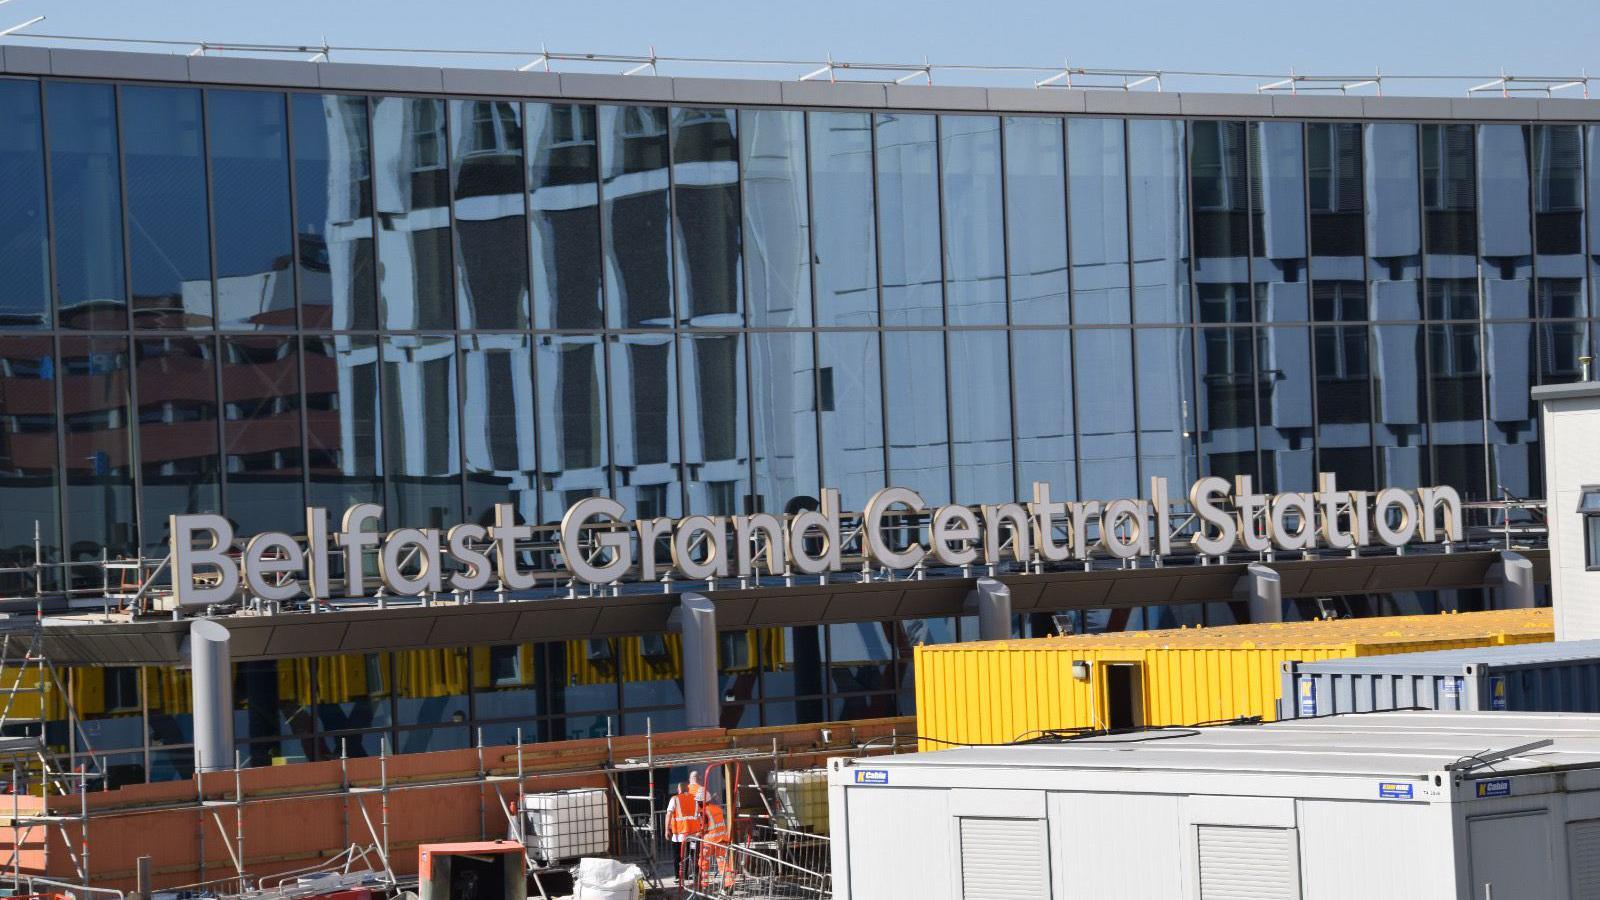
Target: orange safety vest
{"x":716,"y":825}
{"x":715,"y":858}
{"x":682,"y":819}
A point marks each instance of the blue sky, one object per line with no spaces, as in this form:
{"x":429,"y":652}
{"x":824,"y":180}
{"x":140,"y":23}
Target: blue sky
{"x":1413,"y":36}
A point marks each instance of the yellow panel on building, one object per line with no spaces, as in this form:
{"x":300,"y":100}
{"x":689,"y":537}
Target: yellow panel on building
{"x":991,"y":692}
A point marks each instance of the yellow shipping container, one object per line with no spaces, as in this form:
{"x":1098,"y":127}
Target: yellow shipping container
{"x":990,"y":692}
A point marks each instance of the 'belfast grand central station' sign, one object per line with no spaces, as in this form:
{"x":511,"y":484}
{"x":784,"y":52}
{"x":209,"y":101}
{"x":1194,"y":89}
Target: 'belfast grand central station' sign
{"x":598,"y":547}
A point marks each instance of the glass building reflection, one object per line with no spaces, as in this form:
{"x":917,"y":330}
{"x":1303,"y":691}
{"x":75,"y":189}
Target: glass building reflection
{"x":248,"y":301}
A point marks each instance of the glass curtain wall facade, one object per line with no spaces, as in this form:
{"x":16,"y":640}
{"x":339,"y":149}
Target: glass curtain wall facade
{"x":247,"y":301}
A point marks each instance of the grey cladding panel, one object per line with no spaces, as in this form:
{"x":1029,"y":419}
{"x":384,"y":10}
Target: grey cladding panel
{"x":616,"y":87}
{"x":1495,"y":107}
{"x":1044,"y":100}
{"x":476,"y":628}
{"x":1312,"y":107}
{"x":1231,"y":105}
{"x":1406,"y":107}
{"x":27,"y":60}
{"x":242,"y":70}
{"x":1150,"y":103}
{"x":555,"y":624}
{"x":827,"y":93}
{"x":103,"y":64}
{"x":495,"y":82}
{"x":349,"y":77}
{"x":789,"y":610}
{"x":919,"y":96}
{"x":307,"y":639}
{"x":726,"y":91}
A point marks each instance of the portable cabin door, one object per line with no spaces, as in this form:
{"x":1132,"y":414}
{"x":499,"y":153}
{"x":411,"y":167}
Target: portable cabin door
{"x":1510,"y":857}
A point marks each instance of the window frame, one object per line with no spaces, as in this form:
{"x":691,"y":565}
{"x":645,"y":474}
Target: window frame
{"x":1589,"y":511}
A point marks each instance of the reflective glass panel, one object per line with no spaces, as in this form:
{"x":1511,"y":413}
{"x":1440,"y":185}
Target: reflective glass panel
{"x":486,"y":181}
{"x":1227,"y":401}
{"x":1450,"y":220}
{"x":24,"y":250}
{"x":644,"y":416}
{"x":1287,"y":448}
{"x":715,"y":427}
{"x":505,"y":683}
{"x":851,"y":414}
{"x":1097,"y":192}
{"x":333,"y":211}
{"x":637,"y":216}
{"x":96,"y":409}
{"x":246,"y":137}
{"x":169,"y":255}
{"x":412,"y":191}
{"x":1399,"y":392}
{"x":783,"y":410}
{"x":1036,"y":220}
{"x":844,"y":259}
{"x":777,"y":242}
{"x":1560,"y":346}
{"x":261,"y":434}
{"x":419,"y":385}
{"x":1166,"y":404}
{"x":1344,"y":402}
{"x":1333,"y":160}
{"x":919,"y":433}
{"x":1394,"y":233}
{"x":1108,"y":463}
{"x":980,"y":417}
{"x":1592,"y":195}
{"x":1456,"y":398}
{"x":176,"y":380}
{"x":564,"y":212}
{"x":1158,"y":221}
{"x":974,"y":233}
{"x":28,"y":465}
{"x":1219,"y":181}
{"x":498,"y":424}
{"x":86,"y":204}
{"x":908,"y":219}
{"x":352,"y":693}
{"x":430,"y":688}
{"x":705,"y":175}
{"x":1509,"y":369}
{"x":1041,"y":366}
{"x":1558,"y":221}
{"x":572,"y":420}
{"x":1505,"y":230}
{"x":1278,"y":221}
{"x":344,"y":444}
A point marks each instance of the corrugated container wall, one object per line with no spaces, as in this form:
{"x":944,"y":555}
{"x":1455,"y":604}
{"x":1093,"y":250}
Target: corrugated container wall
{"x":993,"y":692}
{"x":1557,"y":677}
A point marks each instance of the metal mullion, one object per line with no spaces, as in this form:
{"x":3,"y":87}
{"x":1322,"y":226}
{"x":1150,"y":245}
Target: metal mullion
{"x":602,"y":242}
{"x":944,"y":306}
{"x":1005,"y":281}
{"x":131,"y":393}
{"x":533,"y":306}
{"x":1422,"y":300}
{"x":220,"y":458}
{"x":877,"y":266}
{"x":1071,"y":330}
{"x":811,"y":273}
{"x":63,"y":489}
{"x":1133,"y":332}
{"x":1309,"y":327}
{"x":677,"y":313}
{"x":749,"y":499}
{"x":1191,"y":304}
{"x":456,"y":300}
{"x":297,"y":340}
{"x":1252,"y":149}
{"x":1489,"y":482}
{"x":1370,"y":338}
{"x":378,"y":334}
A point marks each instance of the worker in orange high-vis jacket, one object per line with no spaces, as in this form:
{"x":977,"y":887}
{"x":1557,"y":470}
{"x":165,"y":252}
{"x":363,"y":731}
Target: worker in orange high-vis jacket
{"x":684,"y":827}
{"x":715,"y":862}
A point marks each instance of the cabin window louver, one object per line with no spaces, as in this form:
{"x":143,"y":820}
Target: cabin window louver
{"x":1583,"y":856}
{"x":1004,"y":859}
{"x":1247,"y":863}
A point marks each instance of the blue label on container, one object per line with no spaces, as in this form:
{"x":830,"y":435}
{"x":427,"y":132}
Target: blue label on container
{"x":1308,"y":696}
{"x":872,"y":776}
{"x":1498,"y":787}
{"x":1451,"y":686}
{"x":1497,"y":692}
{"x":1394,"y":790}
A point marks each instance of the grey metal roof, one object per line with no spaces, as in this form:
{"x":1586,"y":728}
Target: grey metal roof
{"x":1394,"y":744}
{"x":19,"y":59}
{"x":1567,"y":391}
{"x":1434,"y":662}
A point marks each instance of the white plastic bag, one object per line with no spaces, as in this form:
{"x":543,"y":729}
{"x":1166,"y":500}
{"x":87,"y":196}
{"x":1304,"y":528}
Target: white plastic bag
{"x":605,"y":879}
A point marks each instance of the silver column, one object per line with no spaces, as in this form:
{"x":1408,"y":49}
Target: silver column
{"x":1513,"y":575}
{"x":991,"y":600}
{"x":212,"y":695}
{"x":1263,"y":590}
{"x":695,"y":620}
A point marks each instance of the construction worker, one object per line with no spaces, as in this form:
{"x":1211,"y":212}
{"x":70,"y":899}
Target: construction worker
{"x":716,"y":862}
{"x":684,"y":827}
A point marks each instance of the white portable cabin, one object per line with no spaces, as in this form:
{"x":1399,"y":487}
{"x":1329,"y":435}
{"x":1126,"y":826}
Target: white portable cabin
{"x":1402,"y":805}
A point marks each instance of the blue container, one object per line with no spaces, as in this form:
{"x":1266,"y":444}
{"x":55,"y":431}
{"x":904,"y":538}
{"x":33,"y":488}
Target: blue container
{"x":1556,"y":677}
